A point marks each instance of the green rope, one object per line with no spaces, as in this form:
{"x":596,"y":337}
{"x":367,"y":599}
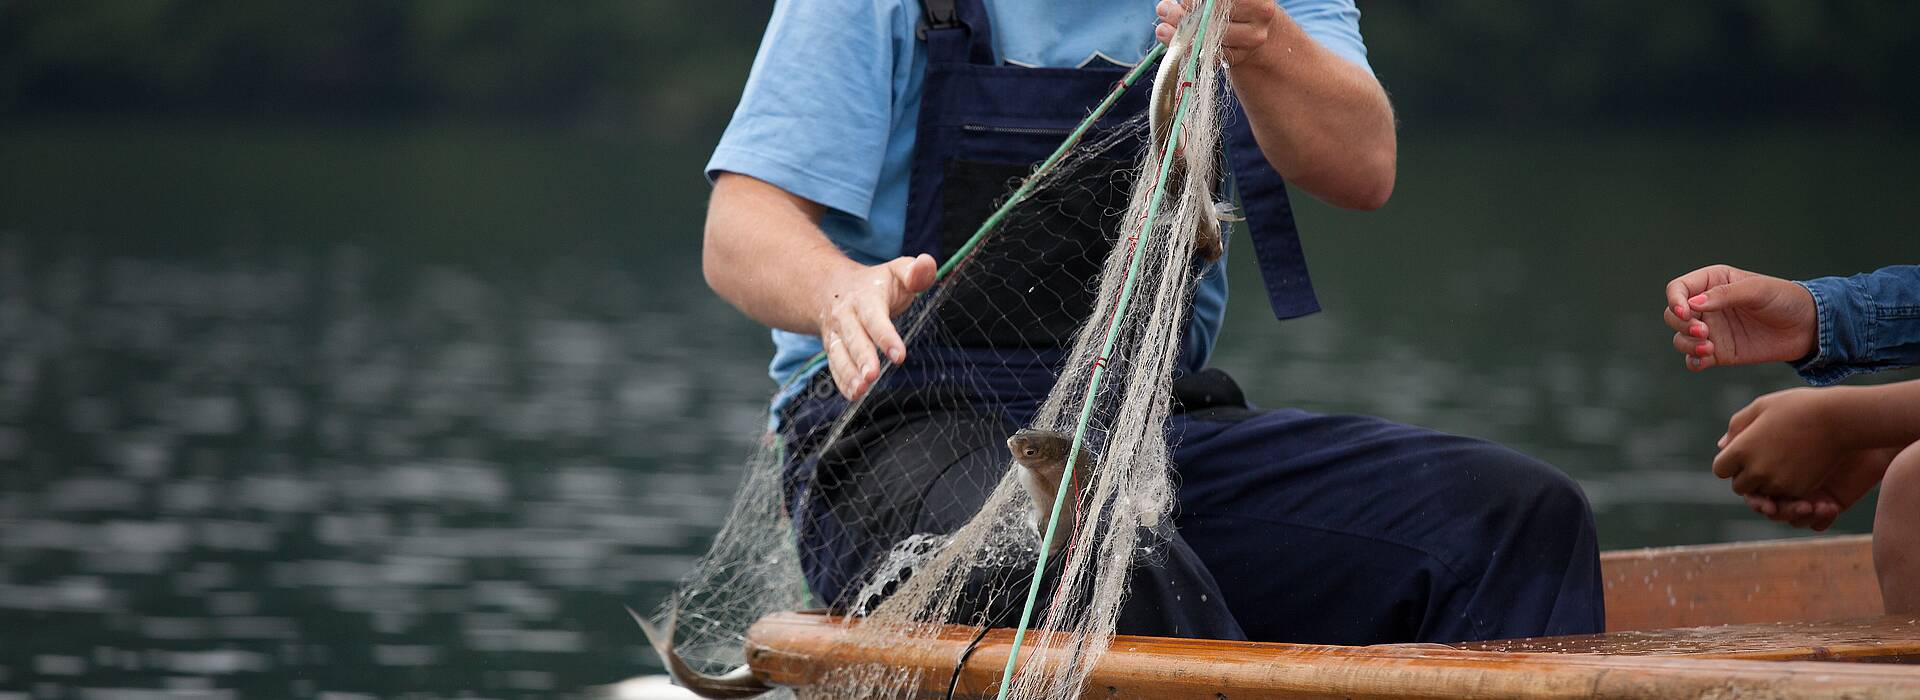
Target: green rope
{"x":1020,"y":195}
{"x":1187,"y":75}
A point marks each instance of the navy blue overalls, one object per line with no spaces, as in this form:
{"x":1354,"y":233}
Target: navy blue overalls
{"x":1308,"y":527}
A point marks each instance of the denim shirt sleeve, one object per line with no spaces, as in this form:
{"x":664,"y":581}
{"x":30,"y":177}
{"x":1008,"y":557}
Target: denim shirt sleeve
{"x":1868,"y":322}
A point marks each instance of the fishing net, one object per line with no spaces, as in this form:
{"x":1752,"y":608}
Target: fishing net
{"x":912,"y":487}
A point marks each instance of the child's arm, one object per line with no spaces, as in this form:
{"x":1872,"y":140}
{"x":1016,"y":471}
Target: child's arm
{"x":1829,"y":327}
{"x":1787,"y":444}
{"x":1879,"y":416}
{"x":1868,"y":322}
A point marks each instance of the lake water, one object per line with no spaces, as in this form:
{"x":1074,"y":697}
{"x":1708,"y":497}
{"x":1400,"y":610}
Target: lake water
{"x":301,"y":411}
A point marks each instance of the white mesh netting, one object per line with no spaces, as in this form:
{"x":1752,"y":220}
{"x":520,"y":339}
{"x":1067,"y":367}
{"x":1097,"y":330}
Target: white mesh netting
{"x":884,"y":488}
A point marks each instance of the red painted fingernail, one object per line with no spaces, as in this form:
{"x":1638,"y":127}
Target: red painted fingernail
{"x":1698,"y":299}
{"x":1698,"y":330}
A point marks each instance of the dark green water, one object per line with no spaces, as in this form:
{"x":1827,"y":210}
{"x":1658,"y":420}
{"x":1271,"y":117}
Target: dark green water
{"x":309,"y":411}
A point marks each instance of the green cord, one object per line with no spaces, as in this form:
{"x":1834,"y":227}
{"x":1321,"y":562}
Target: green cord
{"x":1187,"y":75}
{"x":1020,"y":195}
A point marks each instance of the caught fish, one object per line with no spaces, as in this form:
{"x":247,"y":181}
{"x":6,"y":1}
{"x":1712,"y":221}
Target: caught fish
{"x":737,"y":683}
{"x":1042,"y":455}
{"x":1208,"y":240}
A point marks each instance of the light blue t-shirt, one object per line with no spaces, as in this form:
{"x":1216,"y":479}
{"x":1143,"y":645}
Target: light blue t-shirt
{"x":830,"y":110}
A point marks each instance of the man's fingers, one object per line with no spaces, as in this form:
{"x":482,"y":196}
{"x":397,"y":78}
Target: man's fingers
{"x":1248,"y":26}
{"x":859,"y":346}
{"x":1241,"y":37}
{"x":1257,"y":13}
{"x":911,"y":276}
{"x":922,"y":273}
{"x":840,"y":366}
{"x":879,"y":327}
{"x":1169,"y":11}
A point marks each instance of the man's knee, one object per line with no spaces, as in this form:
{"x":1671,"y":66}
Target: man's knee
{"x":1525,"y":491}
{"x":1537,"y":551}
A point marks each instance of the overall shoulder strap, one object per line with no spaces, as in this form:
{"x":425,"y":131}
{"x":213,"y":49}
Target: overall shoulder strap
{"x":1276,"y":241}
{"x":956,"y":31}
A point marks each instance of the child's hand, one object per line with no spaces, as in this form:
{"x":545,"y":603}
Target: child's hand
{"x":1783,"y":445}
{"x":1857,"y":473}
{"x":1727,"y":316}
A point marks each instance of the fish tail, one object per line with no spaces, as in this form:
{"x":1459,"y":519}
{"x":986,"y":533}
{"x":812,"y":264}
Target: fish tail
{"x":662,"y":640}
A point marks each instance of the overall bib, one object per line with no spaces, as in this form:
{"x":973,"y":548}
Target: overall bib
{"x":1292,"y":526}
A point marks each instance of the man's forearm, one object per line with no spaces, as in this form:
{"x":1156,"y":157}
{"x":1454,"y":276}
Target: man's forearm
{"x":1322,"y":121}
{"x":764,"y":253}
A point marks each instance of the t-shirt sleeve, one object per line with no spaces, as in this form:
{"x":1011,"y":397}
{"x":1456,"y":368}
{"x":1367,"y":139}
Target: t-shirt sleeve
{"x":1333,"y":23}
{"x":817,"y":108}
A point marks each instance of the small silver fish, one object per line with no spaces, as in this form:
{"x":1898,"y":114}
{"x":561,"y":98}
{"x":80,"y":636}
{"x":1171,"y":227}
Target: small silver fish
{"x":737,"y":683}
{"x":1208,"y":240}
{"x":1042,"y":454}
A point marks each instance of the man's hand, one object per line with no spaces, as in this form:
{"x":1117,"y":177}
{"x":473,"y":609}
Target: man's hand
{"x":856,"y":318}
{"x":1723,"y":315}
{"x":1321,"y":120}
{"x":1248,"y":25}
{"x":1856,"y":474}
{"x":765,"y":253}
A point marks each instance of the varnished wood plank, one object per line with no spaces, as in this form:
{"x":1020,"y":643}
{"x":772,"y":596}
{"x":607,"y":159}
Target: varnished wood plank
{"x":798,"y":650}
{"x":1887,"y":638}
{"x":1822,"y":578}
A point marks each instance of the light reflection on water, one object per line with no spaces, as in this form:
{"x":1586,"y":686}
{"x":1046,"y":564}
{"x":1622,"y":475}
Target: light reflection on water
{"x":260,"y":474}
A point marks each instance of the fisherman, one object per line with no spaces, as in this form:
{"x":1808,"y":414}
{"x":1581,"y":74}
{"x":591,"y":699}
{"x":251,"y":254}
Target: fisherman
{"x":873,"y":137}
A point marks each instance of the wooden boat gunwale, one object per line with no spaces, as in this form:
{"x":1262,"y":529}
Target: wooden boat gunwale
{"x":1747,"y":590}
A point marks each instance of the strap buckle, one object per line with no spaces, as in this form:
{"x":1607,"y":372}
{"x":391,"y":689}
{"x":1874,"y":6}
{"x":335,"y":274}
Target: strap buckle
{"x":937,"y":14}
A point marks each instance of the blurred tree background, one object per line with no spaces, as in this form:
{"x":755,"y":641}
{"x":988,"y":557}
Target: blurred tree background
{"x":673,"y":69}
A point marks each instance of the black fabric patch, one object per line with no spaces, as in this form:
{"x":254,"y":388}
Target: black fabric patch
{"x":1031,"y":283}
